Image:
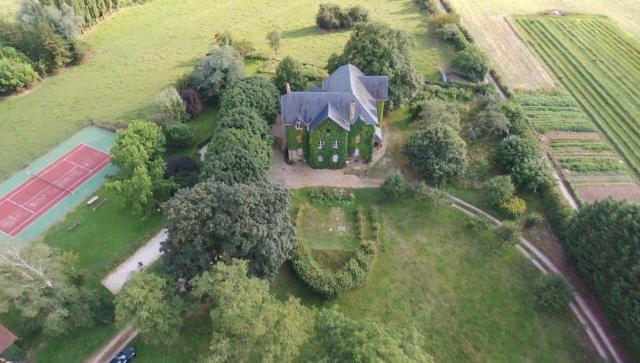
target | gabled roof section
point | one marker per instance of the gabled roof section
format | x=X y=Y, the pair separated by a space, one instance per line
x=6 y=338
x=345 y=86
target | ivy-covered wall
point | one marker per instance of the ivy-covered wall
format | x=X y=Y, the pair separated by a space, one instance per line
x=380 y=107
x=336 y=133
x=365 y=146
x=293 y=136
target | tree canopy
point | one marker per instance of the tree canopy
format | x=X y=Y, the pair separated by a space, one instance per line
x=219 y=68
x=138 y=153
x=43 y=284
x=377 y=49
x=524 y=160
x=237 y=156
x=437 y=153
x=245 y=118
x=255 y=92
x=289 y=71
x=211 y=220
x=603 y=242
x=147 y=303
x=471 y=63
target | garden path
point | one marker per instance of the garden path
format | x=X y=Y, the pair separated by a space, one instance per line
x=147 y=255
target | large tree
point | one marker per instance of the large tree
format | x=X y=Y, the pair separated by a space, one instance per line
x=524 y=160
x=147 y=303
x=212 y=220
x=250 y=324
x=138 y=153
x=237 y=156
x=219 y=68
x=377 y=49
x=337 y=338
x=245 y=118
x=438 y=153
x=603 y=242
x=255 y=92
x=44 y=285
x=289 y=71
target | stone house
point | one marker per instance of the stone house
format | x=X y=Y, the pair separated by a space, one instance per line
x=339 y=121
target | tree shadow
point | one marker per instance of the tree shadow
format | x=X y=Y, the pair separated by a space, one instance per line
x=302 y=32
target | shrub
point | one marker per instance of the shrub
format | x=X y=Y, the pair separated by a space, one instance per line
x=244 y=47
x=15 y=74
x=192 y=102
x=179 y=135
x=245 y=118
x=429 y=6
x=432 y=196
x=170 y=108
x=439 y=20
x=471 y=63
x=508 y=233
x=438 y=153
x=289 y=71
x=532 y=220
x=332 y=16
x=558 y=211
x=184 y=81
x=394 y=185
x=451 y=33
x=478 y=223
x=435 y=112
x=514 y=207
x=490 y=121
x=523 y=159
x=331 y=195
x=499 y=189
x=219 y=68
x=603 y=243
x=553 y=292
x=255 y=92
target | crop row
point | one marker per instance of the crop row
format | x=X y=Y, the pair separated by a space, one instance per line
x=595 y=95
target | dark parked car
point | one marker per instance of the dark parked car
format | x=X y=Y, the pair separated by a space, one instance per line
x=125 y=356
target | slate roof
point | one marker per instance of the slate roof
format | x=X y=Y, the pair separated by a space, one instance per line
x=346 y=85
x=6 y=338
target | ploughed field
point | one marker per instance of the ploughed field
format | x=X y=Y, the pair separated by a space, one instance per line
x=600 y=66
x=586 y=160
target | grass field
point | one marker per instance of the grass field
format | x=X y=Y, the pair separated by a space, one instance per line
x=599 y=66
x=435 y=275
x=144 y=48
x=518 y=67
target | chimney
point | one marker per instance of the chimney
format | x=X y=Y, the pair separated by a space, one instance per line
x=352 y=111
x=288 y=87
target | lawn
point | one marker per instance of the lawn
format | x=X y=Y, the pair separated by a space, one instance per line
x=598 y=64
x=144 y=48
x=488 y=22
x=471 y=304
x=104 y=237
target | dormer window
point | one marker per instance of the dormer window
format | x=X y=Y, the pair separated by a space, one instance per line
x=335 y=144
x=327 y=132
x=321 y=144
x=352 y=111
x=298 y=125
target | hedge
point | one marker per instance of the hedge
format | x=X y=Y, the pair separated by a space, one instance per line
x=353 y=274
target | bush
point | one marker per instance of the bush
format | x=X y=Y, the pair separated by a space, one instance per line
x=532 y=220
x=603 y=243
x=434 y=112
x=478 y=223
x=255 y=92
x=179 y=135
x=219 y=68
x=553 y=292
x=514 y=207
x=558 y=211
x=245 y=118
x=438 y=153
x=508 y=233
x=499 y=189
x=169 y=107
x=332 y=16
x=439 y=20
x=185 y=81
x=331 y=195
x=429 y=6
x=490 y=121
x=289 y=71
x=192 y=102
x=471 y=63
x=394 y=185
x=524 y=160
x=451 y=33
x=15 y=74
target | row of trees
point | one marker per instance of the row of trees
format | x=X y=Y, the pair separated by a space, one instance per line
x=333 y=16
x=250 y=324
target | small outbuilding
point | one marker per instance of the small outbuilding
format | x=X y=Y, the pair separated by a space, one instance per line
x=7 y=338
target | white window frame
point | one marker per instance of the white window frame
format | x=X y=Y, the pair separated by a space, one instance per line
x=321 y=144
x=335 y=158
x=298 y=125
x=336 y=144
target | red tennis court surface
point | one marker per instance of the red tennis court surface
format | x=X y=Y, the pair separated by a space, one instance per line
x=31 y=199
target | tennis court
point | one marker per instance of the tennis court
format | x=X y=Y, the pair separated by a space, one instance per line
x=31 y=199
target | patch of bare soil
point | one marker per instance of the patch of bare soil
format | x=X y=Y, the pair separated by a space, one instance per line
x=563 y=135
x=592 y=193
